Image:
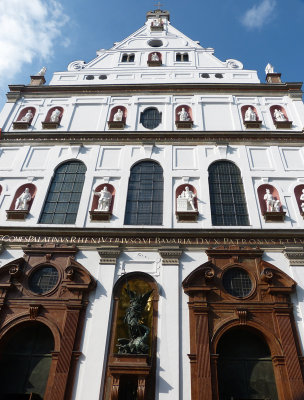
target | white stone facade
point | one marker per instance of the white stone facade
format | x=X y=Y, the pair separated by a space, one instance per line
x=32 y=155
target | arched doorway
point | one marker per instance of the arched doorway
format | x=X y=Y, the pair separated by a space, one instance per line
x=245 y=370
x=25 y=359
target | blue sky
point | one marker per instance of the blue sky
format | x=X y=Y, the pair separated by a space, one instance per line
x=53 y=33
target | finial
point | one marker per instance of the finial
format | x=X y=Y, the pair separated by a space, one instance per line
x=269 y=69
x=42 y=72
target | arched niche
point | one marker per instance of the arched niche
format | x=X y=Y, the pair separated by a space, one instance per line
x=102 y=212
x=186 y=203
x=281 y=122
x=25 y=359
x=25 y=118
x=214 y=310
x=270 y=203
x=130 y=367
x=20 y=209
x=245 y=365
x=298 y=191
x=154 y=59
x=51 y=308
x=48 y=123
x=183 y=117
x=252 y=122
x=117 y=122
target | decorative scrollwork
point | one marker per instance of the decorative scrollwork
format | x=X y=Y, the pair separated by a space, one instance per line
x=209 y=273
x=70 y=273
x=235 y=64
x=14 y=271
x=267 y=275
x=76 y=65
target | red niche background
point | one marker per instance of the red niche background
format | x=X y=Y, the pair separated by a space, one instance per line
x=48 y=115
x=245 y=108
x=181 y=188
x=24 y=111
x=179 y=108
x=261 y=193
x=114 y=111
x=111 y=189
x=32 y=189
x=272 y=108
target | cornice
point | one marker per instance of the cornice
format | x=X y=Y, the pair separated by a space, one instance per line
x=248 y=137
x=17 y=91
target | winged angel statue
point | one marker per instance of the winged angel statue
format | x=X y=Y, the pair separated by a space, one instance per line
x=138 y=332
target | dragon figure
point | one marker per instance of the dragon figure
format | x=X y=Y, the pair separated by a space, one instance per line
x=138 y=332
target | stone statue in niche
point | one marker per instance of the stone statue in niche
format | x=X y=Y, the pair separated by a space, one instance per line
x=183 y=115
x=302 y=199
x=118 y=116
x=250 y=115
x=154 y=57
x=278 y=115
x=55 y=115
x=156 y=22
x=22 y=202
x=104 y=201
x=272 y=205
x=27 y=117
x=137 y=330
x=185 y=201
x=42 y=72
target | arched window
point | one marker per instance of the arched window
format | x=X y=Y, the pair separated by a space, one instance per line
x=245 y=367
x=25 y=359
x=227 y=198
x=145 y=195
x=63 y=198
x=150 y=118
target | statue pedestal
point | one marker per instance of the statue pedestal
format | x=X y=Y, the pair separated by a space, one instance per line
x=37 y=80
x=186 y=216
x=184 y=124
x=21 y=125
x=253 y=124
x=50 y=125
x=283 y=124
x=156 y=28
x=154 y=63
x=273 y=77
x=274 y=216
x=104 y=216
x=19 y=215
x=116 y=124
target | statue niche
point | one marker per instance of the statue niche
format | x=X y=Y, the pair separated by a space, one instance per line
x=186 y=203
x=250 y=117
x=299 y=195
x=132 y=352
x=279 y=117
x=25 y=118
x=183 y=117
x=102 y=204
x=154 y=59
x=53 y=118
x=270 y=204
x=157 y=25
x=22 y=202
x=118 y=117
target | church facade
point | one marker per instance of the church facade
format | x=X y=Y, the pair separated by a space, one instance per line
x=152 y=228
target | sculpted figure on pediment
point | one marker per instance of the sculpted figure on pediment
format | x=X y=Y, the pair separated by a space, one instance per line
x=104 y=201
x=118 y=116
x=42 y=71
x=55 y=115
x=250 y=115
x=22 y=202
x=27 y=117
x=184 y=115
x=272 y=205
x=278 y=115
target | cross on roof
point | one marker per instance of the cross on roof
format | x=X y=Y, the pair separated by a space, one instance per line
x=158 y=5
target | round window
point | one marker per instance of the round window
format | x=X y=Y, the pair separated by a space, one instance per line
x=43 y=279
x=237 y=282
x=89 y=77
x=102 y=77
x=155 y=43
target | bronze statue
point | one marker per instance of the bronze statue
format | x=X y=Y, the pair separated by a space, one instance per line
x=138 y=332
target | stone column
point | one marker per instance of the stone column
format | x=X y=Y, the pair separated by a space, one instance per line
x=96 y=329
x=295 y=256
x=169 y=324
